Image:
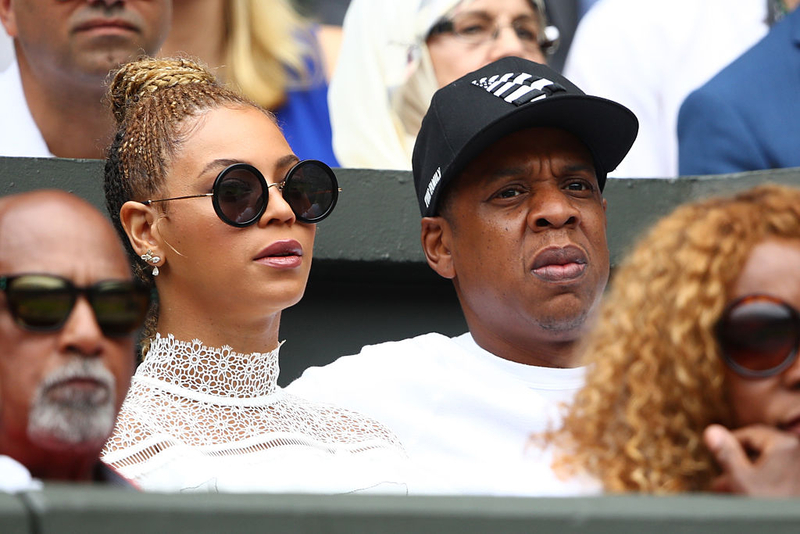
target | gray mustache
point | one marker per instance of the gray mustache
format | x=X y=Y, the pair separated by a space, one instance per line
x=79 y=368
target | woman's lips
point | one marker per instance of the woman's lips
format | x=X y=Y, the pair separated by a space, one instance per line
x=793 y=426
x=285 y=254
x=282 y=262
x=559 y=264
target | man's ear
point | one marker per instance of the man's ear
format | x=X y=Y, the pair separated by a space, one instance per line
x=8 y=19
x=437 y=237
x=605 y=212
x=139 y=222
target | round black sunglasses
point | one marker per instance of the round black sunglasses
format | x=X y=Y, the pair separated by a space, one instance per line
x=240 y=193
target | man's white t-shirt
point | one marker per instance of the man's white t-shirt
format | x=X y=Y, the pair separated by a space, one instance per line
x=465 y=416
x=19 y=135
x=15 y=477
x=6 y=50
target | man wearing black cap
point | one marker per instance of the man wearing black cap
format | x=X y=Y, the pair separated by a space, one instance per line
x=509 y=167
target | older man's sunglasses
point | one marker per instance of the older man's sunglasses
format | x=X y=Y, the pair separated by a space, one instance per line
x=240 y=193
x=758 y=335
x=44 y=302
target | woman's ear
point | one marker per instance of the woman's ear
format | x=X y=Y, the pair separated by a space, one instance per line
x=139 y=221
x=8 y=19
x=436 y=237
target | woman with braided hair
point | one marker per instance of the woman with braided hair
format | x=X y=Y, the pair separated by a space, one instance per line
x=220 y=216
x=699 y=334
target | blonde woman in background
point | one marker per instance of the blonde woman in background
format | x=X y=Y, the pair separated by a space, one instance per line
x=694 y=379
x=395 y=55
x=270 y=53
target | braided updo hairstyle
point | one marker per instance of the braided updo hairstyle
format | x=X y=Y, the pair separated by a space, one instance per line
x=151 y=100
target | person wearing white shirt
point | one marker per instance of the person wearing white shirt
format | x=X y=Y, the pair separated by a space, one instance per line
x=649 y=55
x=513 y=213
x=15 y=477
x=6 y=50
x=67 y=324
x=53 y=89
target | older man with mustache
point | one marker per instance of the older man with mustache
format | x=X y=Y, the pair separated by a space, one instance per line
x=68 y=312
x=52 y=101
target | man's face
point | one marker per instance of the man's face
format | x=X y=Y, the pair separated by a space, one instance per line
x=80 y=38
x=60 y=391
x=526 y=230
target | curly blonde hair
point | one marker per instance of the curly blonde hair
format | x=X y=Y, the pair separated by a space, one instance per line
x=655 y=379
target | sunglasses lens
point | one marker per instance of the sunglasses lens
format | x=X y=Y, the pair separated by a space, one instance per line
x=240 y=195
x=40 y=302
x=311 y=190
x=759 y=335
x=120 y=307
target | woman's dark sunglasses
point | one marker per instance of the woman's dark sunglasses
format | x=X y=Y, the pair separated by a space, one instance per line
x=240 y=193
x=43 y=302
x=758 y=335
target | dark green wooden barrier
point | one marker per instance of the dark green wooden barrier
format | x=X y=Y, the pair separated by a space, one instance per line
x=92 y=509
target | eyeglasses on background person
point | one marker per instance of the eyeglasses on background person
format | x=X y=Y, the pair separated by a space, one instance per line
x=42 y=302
x=759 y=335
x=477 y=29
x=240 y=193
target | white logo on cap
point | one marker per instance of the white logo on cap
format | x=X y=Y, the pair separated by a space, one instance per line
x=432 y=186
x=518 y=88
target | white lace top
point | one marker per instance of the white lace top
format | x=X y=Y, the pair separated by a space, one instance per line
x=198 y=418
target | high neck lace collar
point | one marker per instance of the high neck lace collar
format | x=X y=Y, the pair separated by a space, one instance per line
x=215 y=372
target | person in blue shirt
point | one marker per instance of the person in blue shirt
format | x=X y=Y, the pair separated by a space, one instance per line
x=268 y=52
x=747 y=117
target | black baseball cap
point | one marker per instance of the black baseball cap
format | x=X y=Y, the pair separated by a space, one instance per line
x=468 y=115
